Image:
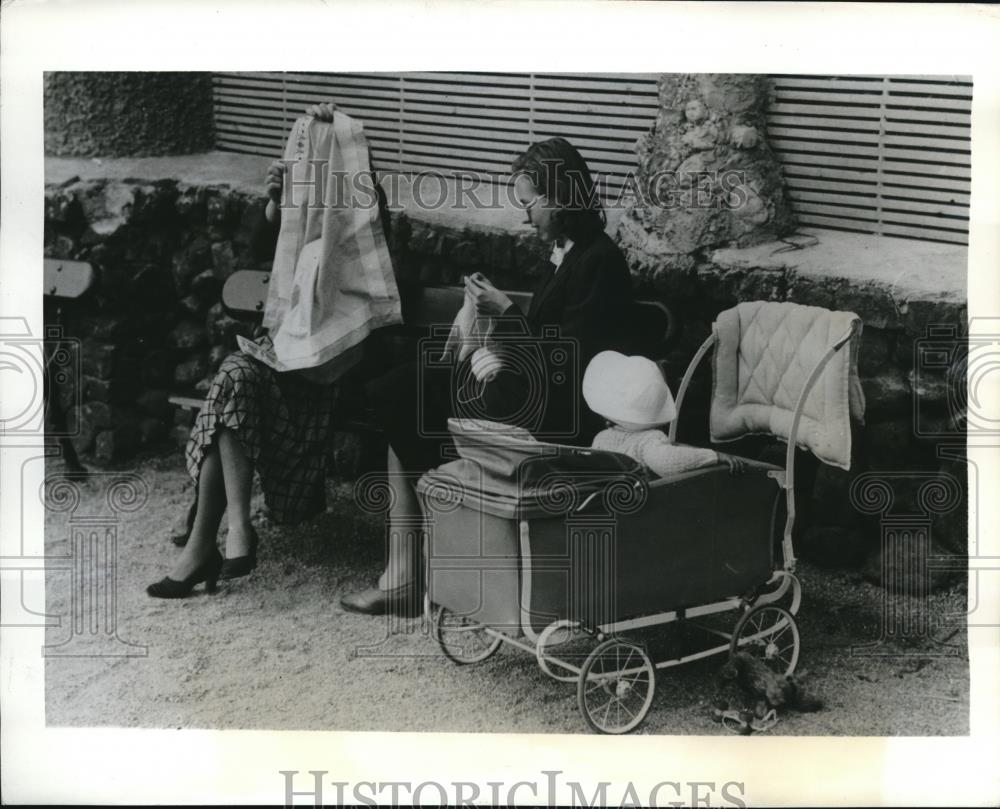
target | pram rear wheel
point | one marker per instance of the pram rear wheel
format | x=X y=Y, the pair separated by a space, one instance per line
x=615 y=687
x=463 y=641
x=770 y=634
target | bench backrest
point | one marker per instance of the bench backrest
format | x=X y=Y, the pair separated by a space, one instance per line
x=245 y=292
x=66 y=279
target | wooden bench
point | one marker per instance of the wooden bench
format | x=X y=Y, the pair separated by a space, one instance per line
x=63 y=280
x=245 y=292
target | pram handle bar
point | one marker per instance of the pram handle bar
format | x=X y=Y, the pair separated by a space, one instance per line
x=788 y=481
x=686 y=381
x=786 y=544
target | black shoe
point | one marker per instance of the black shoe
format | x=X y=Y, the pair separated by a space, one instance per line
x=406 y=601
x=241 y=565
x=207 y=571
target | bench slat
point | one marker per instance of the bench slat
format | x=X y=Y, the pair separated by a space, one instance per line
x=186 y=402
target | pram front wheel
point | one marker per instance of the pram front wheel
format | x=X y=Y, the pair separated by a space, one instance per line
x=615 y=687
x=770 y=634
x=462 y=641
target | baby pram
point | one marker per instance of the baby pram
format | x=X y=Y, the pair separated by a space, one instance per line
x=556 y=543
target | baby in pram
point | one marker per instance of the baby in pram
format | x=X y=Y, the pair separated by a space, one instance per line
x=633 y=395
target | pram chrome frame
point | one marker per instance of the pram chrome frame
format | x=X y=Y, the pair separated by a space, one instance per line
x=787 y=479
x=763 y=600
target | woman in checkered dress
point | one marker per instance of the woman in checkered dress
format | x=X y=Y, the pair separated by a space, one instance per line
x=281 y=421
x=253 y=418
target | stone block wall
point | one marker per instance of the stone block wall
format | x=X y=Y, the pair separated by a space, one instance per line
x=913 y=431
x=154 y=324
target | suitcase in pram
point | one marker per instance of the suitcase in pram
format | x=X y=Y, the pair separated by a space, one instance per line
x=567 y=541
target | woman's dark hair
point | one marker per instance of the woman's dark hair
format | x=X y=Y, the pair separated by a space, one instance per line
x=559 y=172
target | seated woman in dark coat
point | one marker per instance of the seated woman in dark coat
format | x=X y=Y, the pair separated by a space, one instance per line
x=580 y=307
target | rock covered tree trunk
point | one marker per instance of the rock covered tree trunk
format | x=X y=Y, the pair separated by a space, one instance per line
x=706 y=176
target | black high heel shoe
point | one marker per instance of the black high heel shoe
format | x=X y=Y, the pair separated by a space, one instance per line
x=207 y=571
x=241 y=565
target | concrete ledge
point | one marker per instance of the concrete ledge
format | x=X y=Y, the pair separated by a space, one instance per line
x=237 y=171
x=907 y=267
x=434 y=199
x=891 y=283
x=443 y=228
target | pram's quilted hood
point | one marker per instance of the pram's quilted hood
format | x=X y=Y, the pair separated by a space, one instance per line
x=508 y=472
x=764 y=355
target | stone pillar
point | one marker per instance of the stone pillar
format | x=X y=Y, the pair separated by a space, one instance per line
x=706 y=176
x=112 y=114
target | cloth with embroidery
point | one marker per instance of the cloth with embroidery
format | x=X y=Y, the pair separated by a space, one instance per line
x=332 y=280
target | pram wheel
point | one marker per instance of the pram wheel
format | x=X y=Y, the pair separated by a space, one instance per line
x=770 y=634
x=615 y=687
x=462 y=641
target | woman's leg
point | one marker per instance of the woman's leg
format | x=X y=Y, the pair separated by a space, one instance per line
x=237 y=473
x=211 y=505
x=224 y=479
x=392 y=595
x=405 y=525
x=397 y=398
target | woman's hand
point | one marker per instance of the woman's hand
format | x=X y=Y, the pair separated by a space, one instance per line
x=274 y=179
x=488 y=299
x=485 y=364
x=273 y=182
x=737 y=466
x=322 y=112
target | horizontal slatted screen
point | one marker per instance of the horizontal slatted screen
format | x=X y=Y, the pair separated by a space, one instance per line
x=448 y=122
x=887 y=155
x=876 y=154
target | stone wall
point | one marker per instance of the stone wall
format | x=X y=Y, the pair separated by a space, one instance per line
x=706 y=174
x=914 y=422
x=154 y=325
x=115 y=114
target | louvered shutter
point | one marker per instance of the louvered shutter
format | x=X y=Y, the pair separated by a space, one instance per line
x=886 y=155
x=450 y=122
x=876 y=154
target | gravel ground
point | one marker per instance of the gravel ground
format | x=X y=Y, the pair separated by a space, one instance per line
x=276 y=651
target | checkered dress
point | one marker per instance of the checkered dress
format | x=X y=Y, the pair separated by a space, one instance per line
x=283 y=422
